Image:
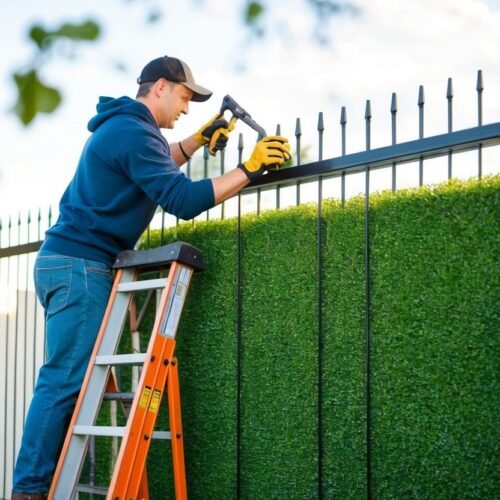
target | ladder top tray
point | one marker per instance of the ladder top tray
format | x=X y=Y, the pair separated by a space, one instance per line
x=161 y=256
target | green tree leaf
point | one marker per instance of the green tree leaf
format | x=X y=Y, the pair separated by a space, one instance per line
x=39 y=35
x=34 y=97
x=88 y=30
x=253 y=12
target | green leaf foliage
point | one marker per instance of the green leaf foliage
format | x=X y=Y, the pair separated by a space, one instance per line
x=38 y=35
x=253 y=12
x=34 y=96
x=254 y=18
x=86 y=31
x=434 y=290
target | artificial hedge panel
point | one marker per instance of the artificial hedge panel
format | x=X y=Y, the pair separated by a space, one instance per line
x=279 y=355
x=434 y=333
x=435 y=298
x=343 y=366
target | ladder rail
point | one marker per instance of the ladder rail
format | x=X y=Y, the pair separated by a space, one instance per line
x=174 y=406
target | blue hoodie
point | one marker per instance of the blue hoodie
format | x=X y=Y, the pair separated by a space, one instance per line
x=125 y=171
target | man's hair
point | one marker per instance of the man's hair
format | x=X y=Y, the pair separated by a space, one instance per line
x=145 y=88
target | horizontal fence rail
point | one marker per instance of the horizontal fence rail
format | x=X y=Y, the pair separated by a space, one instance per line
x=431 y=147
x=20 y=249
x=21 y=318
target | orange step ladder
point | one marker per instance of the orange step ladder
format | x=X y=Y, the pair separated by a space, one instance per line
x=159 y=375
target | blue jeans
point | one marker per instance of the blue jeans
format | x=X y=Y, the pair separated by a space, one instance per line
x=74 y=294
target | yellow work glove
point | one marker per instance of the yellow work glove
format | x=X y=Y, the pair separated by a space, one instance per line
x=215 y=133
x=272 y=151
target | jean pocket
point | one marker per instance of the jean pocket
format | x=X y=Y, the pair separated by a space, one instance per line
x=53 y=286
x=99 y=270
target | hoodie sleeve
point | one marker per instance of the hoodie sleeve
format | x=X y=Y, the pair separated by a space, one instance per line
x=146 y=160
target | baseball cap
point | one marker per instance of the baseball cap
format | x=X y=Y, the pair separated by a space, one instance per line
x=173 y=70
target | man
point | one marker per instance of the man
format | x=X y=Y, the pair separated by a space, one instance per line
x=126 y=169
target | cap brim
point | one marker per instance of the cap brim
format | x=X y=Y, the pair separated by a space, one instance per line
x=200 y=94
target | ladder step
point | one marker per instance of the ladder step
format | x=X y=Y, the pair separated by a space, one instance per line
x=87 y=488
x=98 y=430
x=162 y=435
x=135 y=286
x=107 y=431
x=118 y=396
x=122 y=359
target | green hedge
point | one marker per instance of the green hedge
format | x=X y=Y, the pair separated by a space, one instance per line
x=435 y=385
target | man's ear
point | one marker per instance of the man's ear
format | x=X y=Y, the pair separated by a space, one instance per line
x=160 y=86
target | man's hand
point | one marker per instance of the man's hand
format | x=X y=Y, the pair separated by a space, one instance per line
x=269 y=152
x=215 y=133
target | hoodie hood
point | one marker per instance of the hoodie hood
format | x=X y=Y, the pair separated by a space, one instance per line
x=107 y=107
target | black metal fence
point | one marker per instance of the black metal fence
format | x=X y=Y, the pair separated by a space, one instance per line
x=21 y=318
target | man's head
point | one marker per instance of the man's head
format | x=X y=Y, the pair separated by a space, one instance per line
x=166 y=85
x=173 y=70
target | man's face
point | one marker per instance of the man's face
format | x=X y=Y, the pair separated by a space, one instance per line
x=174 y=101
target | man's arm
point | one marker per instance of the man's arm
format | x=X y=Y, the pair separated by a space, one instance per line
x=189 y=146
x=272 y=150
x=225 y=186
x=229 y=184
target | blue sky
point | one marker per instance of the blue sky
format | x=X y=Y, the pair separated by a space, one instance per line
x=393 y=46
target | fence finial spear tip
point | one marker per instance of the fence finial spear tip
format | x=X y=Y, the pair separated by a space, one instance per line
x=298 y=128
x=421 y=98
x=343 y=116
x=368 y=110
x=321 y=125
x=479 y=84
x=449 y=89
x=394 y=103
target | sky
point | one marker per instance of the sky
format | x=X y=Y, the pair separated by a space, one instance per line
x=390 y=46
